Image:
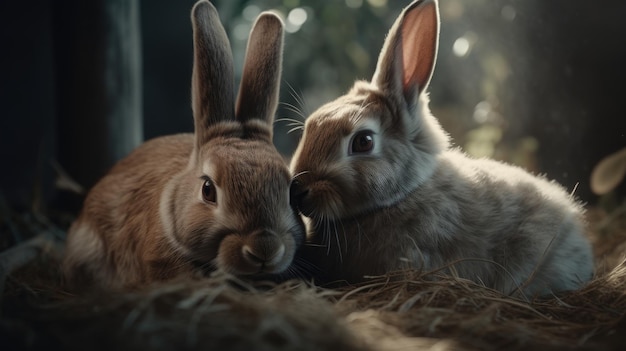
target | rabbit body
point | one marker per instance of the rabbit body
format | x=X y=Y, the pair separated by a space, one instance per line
x=384 y=190
x=113 y=239
x=215 y=199
x=493 y=223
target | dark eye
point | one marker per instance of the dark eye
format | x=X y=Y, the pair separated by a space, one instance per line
x=208 y=191
x=362 y=142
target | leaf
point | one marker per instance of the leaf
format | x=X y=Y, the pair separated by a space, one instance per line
x=609 y=172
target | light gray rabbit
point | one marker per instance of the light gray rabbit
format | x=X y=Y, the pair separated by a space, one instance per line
x=384 y=190
x=215 y=199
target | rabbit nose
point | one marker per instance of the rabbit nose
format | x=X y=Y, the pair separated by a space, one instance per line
x=297 y=192
x=264 y=250
x=263 y=257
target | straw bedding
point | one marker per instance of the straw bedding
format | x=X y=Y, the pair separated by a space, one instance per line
x=399 y=311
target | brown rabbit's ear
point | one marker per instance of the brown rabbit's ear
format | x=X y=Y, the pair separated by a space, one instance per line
x=407 y=60
x=259 y=89
x=212 y=78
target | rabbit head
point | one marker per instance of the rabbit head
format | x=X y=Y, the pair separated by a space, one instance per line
x=232 y=202
x=215 y=199
x=370 y=147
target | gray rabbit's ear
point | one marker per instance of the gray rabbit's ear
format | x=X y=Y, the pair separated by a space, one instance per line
x=407 y=60
x=212 y=79
x=260 y=81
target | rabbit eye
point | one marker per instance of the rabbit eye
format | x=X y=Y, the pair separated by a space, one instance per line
x=208 y=191
x=362 y=142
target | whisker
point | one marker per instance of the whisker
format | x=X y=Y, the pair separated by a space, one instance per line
x=295 y=129
x=292 y=120
x=295 y=176
x=361 y=233
x=304 y=269
x=345 y=237
x=294 y=94
x=327 y=234
x=358 y=229
x=338 y=242
x=358 y=114
x=295 y=124
x=291 y=272
x=298 y=113
x=294 y=109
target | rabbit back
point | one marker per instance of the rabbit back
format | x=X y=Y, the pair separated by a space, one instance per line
x=118 y=237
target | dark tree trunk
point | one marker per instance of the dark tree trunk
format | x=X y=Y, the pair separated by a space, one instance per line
x=98 y=65
x=578 y=59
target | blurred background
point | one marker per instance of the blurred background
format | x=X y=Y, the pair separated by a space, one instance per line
x=532 y=82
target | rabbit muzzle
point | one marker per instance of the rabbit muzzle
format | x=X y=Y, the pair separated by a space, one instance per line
x=259 y=252
x=316 y=198
x=263 y=250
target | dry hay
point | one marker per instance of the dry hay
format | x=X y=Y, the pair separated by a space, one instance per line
x=404 y=310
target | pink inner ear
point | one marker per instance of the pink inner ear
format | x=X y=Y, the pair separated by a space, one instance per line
x=419 y=45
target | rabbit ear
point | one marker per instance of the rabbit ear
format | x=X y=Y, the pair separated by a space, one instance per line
x=407 y=59
x=258 y=92
x=212 y=78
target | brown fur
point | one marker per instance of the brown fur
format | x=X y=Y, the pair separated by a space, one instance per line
x=114 y=205
x=148 y=219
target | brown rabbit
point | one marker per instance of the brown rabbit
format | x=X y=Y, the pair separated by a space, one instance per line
x=216 y=199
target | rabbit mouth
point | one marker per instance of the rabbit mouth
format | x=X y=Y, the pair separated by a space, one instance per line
x=264 y=261
x=247 y=257
x=260 y=252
